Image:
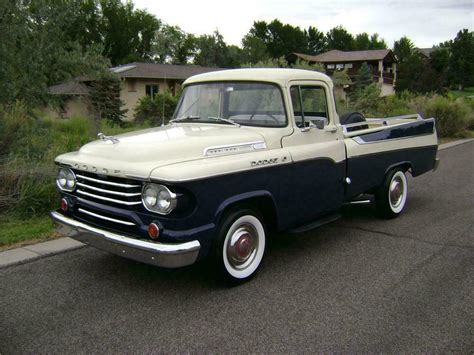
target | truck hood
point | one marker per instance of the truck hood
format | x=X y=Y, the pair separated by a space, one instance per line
x=137 y=153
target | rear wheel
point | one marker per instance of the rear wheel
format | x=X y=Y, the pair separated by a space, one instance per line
x=240 y=245
x=391 y=197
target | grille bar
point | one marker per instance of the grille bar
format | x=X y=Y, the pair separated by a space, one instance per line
x=105 y=218
x=106 y=182
x=128 y=203
x=125 y=194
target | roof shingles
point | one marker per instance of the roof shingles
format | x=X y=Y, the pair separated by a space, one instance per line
x=154 y=71
x=349 y=56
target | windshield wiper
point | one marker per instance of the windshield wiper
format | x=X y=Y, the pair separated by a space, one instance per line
x=228 y=120
x=184 y=118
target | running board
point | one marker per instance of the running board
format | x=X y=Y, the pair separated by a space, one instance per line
x=315 y=224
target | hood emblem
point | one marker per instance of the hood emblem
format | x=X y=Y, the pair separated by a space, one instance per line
x=107 y=138
x=234 y=148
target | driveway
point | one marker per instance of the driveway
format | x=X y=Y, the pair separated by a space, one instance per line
x=358 y=284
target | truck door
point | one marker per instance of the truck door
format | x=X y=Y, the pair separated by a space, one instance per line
x=316 y=185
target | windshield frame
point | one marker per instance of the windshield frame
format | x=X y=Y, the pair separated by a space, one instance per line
x=277 y=86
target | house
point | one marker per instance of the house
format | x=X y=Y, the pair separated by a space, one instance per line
x=382 y=62
x=425 y=53
x=137 y=81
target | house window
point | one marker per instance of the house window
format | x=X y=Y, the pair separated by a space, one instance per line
x=339 y=66
x=151 y=90
x=330 y=66
x=348 y=66
x=131 y=85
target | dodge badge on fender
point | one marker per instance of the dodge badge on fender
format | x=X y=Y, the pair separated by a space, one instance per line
x=248 y=152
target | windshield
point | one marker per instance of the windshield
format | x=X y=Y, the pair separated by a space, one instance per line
x=243 y=103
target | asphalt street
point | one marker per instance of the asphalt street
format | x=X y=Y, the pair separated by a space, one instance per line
x=358 y=284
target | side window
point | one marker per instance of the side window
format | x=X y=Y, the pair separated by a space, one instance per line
x=313 y=99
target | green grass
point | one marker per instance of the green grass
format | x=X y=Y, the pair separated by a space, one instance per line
x=466 y=92
x=20 y=231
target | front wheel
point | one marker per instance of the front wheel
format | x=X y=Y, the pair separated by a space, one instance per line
x=391 y=197
x=240 y=245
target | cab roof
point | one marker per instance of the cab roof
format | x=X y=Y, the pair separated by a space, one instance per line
x=279 y=76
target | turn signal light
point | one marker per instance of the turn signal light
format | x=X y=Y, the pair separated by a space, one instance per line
x=64 y=204
x=153 y=231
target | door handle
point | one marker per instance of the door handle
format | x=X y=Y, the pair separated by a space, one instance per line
x=331 y=129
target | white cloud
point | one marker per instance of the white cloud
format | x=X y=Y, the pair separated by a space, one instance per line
x=425 y=22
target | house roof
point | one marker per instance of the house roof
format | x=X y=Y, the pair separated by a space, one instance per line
x=69 y=88
x=155 y=71
x=347 y=56
x=426 y=51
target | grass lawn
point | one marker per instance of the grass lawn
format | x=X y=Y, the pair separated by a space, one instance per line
x=466 y=92
x=15 y=232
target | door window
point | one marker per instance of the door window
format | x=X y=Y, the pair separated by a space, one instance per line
x=309 y=105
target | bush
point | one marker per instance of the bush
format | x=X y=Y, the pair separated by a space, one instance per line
x=452 y=116
x=28 y=146
x=156 y=111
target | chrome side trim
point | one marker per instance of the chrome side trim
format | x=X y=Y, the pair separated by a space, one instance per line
x=126 y=194
x=159 y=254
x=128 y=203
x=384 y=121
x=106 y=182
x=234 y=148
x=105 y=218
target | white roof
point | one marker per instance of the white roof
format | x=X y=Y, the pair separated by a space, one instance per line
x=279 y=76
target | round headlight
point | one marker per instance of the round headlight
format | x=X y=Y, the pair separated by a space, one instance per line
x=158 y=198
x=66 y=180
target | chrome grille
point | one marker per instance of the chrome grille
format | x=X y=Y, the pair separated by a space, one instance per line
x=100 y=216
x=109 y=190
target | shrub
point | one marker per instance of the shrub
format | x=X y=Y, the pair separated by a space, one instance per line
x=156 y=111
x=452 y=116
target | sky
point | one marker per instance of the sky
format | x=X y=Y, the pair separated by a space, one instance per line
x=425 y=22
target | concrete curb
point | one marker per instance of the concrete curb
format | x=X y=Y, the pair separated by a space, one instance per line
x=53 y=247
x=36 y=251
x=454 y=143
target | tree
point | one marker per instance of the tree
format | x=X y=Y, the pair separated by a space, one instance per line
x=269 y=63
x=461 y=64
x=339 y=38
x=254 y=49
x=127 y=33
x=417 y=75
x=376 y=42
x=172 y=45
x=105 y=98
x=274 y=40
x=362 y=41
x=212 y=51
x=403 y=49
x=362 y=81
x=316 y=40
x=37 y=51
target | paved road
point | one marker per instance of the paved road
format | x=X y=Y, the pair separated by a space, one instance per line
x=359 y=284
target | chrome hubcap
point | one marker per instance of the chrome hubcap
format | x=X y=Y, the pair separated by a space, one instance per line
x=396 y=192
x=242 y=246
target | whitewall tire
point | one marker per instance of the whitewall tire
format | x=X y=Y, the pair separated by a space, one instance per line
x=241 y=245
x=391 y=197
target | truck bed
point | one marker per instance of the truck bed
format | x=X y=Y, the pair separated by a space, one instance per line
x=379 y=144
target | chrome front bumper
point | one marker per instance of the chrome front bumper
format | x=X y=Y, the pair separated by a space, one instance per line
x=164 y=255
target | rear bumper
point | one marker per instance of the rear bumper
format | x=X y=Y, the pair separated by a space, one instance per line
x=164 y=255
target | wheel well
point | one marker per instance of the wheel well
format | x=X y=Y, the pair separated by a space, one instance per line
x=406 y=166
x=261 y=204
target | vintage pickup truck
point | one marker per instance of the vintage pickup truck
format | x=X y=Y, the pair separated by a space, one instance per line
x=249 y=151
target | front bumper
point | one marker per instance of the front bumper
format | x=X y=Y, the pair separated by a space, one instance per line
x=164 y=255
